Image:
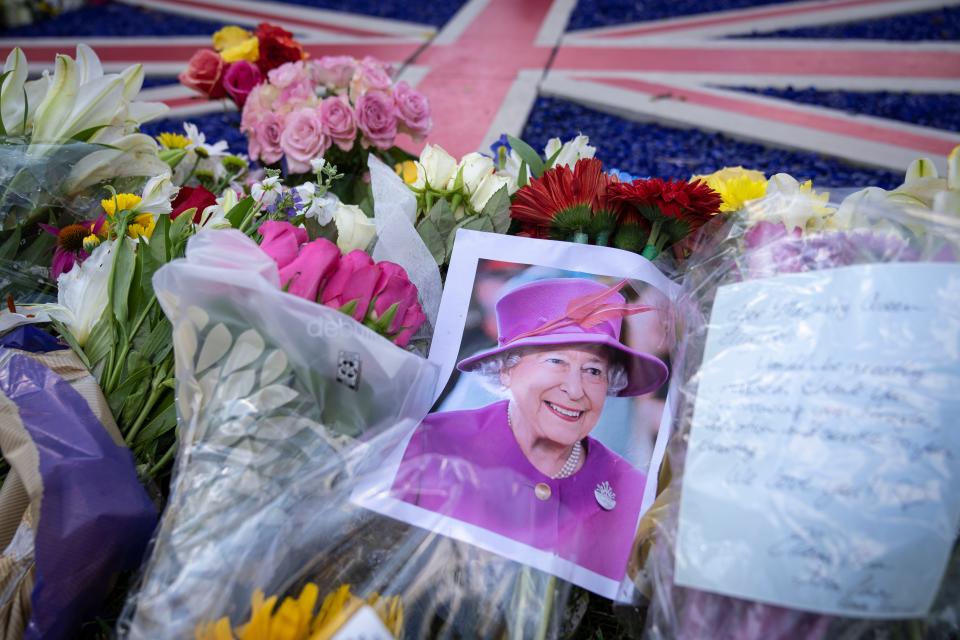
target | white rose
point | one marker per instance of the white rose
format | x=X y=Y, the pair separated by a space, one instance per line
x=572 y=151
x=488 y=186
x=475 y=167
x=438 y=166
x=354 y=229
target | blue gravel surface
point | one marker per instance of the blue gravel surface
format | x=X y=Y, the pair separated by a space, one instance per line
x=940 y=111
x=647 y=149
x=114 y=19
x=435 y=13
x=605 y=13
x=940 y=24
x=216 y=126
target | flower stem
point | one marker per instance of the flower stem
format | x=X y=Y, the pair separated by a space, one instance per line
x=164 y=460
x=158 y=390
x=580 y=237
x=652 y=249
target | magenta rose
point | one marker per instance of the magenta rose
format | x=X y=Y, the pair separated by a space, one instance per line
x=377 y=118
x=413 y=109
x=334 y=72
x=239 y=80
x=204 y=73
x=304 y=275
x=394 y=296
x=265 y=143
x=303 y=139
x=281 y=241
x=353 y=283
x=338 y=121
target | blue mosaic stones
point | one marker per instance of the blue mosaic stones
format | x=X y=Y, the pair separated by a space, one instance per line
x=114 y=19
x=940 y=24
x=606 y=13
x=648 y=149
x=940 y=111
x=433 y=13
x=215 y=126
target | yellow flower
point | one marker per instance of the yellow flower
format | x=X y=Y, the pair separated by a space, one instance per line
x=142 y=225
x=91 y=242
x=219 y=630
x=121 y=202
x=249 y=49
x=407 y=170
x=736 y=186
x=173 y=140
x=230 y=36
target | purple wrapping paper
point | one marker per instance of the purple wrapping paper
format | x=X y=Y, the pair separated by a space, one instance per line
x=95 y=517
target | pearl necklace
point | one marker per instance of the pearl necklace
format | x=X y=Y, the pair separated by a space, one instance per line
x=572 y=460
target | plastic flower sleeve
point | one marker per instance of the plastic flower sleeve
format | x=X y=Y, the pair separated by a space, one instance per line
x=811 y=413
x=273 y=391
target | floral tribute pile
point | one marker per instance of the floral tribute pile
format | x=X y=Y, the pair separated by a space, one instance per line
x=92 y=212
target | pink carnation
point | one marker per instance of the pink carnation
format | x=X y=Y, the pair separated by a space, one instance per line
x=303 y=139
x=334 y=72
x=265 y=141
x=339 y=122
x=413 y=109
x=377 y=119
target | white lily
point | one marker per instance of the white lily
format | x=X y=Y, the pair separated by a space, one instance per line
x=157 y=194
x=215 y=216
x=795 y=204
x=570 y=151
x=948 y=200
x=82 y=293
x=920 y=185
x=12 y=105
x=130 y=155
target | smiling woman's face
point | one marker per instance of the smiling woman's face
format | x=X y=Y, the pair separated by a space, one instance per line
x=559 y=391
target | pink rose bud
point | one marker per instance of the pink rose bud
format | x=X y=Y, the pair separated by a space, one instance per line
x=304 y=276
x=240 y=79
x=414 y=110
x=334 y=72
x=393 y=289
x=303 y=139
x=265 y=143
x=338 y=122
x=204 y=73
x=281 y=241
x=412 y=320
x=353 y=282
x=377 y=118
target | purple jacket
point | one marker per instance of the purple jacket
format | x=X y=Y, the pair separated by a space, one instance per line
x=467 y=465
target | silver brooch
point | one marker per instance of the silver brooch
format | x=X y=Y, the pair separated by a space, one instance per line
x=605 y=496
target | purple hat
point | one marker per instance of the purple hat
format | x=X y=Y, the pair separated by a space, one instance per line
x=567 y=311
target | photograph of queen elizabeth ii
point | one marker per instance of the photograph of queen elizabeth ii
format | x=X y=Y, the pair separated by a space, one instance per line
x=540 y=446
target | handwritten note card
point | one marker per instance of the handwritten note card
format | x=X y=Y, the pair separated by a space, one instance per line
x=823 y=469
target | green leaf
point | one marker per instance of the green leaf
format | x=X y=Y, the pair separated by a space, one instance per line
x=478 y=223
x=122 y=277
x=159 y=240
x=164 y=420
x=40 y=250
x=180 y=230
x=157 y=342
x=137 y=294
x=239 y=212
x=436 y=242
x=549 y=163
x=101 y=339
x=8 y=250
x=522 y=178
x=173 y=156
x=497 y=210
x=528 y=155
x=86 y=134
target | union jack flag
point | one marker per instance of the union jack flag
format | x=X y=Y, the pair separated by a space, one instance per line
x=484 y=68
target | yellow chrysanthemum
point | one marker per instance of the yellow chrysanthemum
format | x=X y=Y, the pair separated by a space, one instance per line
x=230 y=36
x=294 y=618
x=91 y=242
x=249 y=50
x=173 y=140
x=406 y=170
x=142 y=226
x=121 y=202
x=736 y=186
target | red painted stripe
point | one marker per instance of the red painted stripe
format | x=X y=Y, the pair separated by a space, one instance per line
x=746 y=18
x=918 y=64
x=789 y=116
x=268 y=17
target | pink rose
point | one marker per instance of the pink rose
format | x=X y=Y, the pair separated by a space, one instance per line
x=204 y=73
x=287 y=74
x=259 y=103
x=370 y=75
x=338 y=121
x=296 y=96
x=306 y=273
x=265 y=143
x=394 y=289
x=240 y=79
x=353 y=282
x=334 y=72
x=414 y=110
x=281 y=241
x=412 y=320
x=377 y=118
x=303 y=139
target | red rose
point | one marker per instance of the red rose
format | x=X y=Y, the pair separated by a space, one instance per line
x=277 y=47
x=190 y=197
x=204 y=73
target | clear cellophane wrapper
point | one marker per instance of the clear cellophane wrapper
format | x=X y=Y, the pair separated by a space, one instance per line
x=747 y=248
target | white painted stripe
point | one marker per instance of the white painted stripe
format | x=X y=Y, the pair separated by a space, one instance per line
x=167 y=92
x=515 y=108
x=822 y=12
x=555 y=23
x=459 y=23
x=200 y=108
x=413 y=74
x=901 y=84
x=638 y=105
x=280 y=10
x=760 y=45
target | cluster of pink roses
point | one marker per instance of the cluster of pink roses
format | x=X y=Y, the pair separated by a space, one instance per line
x=307 y=106
x=380 y=295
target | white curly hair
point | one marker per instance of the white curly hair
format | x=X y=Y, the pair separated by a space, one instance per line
x=491 y=368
